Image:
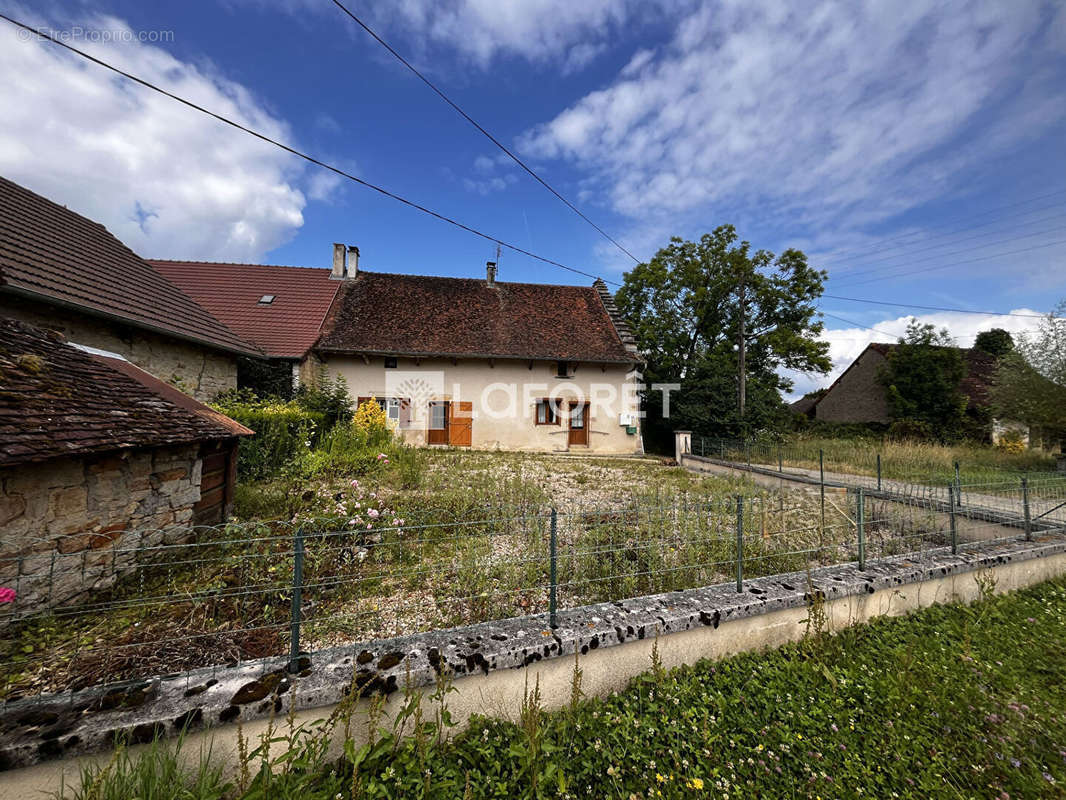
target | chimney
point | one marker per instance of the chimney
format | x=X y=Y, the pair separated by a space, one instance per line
x=339 y=262
x=353 y=262
x=490 y=272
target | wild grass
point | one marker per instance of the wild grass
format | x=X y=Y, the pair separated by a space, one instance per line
x=914 y=462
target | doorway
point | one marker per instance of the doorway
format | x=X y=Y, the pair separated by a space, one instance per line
x=579 y=424
x=438 y=422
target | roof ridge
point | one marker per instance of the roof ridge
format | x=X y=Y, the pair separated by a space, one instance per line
x=629 y=341
x=472 y=279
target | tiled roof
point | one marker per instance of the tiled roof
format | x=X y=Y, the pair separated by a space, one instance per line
x=284 y=328
x=52 y=253
x=430 y=316
x=57 y=400
x=980 y=371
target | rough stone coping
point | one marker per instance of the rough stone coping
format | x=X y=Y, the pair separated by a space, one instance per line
x=86 y=721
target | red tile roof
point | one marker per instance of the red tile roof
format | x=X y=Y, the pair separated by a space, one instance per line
x=52 y=253
x=285 y=328
x=58 y=400
x=430 y=316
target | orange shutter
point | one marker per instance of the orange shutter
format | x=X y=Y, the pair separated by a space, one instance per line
x=461 y=425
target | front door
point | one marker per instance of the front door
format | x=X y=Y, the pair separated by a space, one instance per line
x=438 y=423
x=579 y=424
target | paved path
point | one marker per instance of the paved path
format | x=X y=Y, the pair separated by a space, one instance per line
x=1047 y=492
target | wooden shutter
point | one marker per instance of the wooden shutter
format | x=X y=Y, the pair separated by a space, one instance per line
x=461 y=424
x=405 y=413
x=362 y=400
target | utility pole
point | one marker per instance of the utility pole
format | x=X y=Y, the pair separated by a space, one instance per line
x=742 y=352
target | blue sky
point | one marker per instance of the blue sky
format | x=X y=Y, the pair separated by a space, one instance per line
x=917 y=151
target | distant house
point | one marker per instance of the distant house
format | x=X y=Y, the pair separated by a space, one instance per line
x=857 y=396
x=485 y=363
x=278 y=309
x=63 y=272
x=97 y=458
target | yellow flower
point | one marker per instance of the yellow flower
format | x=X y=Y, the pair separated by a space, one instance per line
x=695 y=783
x=660 y=778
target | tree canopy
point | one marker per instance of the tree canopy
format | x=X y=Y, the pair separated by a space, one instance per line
x=922 y=378
x=996 y=342
x=684 y=307
x=1030 y=384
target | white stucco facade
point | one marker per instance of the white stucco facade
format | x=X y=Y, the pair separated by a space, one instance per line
x=503 y=396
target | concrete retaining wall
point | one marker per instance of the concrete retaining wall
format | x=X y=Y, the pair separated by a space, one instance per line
x=495 y=662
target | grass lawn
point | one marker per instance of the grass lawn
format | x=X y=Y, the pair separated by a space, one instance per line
x=952 y=701
x=906 y=461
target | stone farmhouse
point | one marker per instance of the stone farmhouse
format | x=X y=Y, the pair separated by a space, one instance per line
x=858 y=396
x=63 y=272
x=97 y=459
x=457 y=362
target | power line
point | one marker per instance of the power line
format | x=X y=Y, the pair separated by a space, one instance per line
x=858 y=325
x=293 y=151
x=482 y=130
x=963 y=251
x=934 y=308
x=955 y=264
x=920 y=235
x=922 y=246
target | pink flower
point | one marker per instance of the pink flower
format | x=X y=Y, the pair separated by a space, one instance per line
x=395 y=521
x=373 y=513
x=355 y=484
x=381 y=456
x=7 y=595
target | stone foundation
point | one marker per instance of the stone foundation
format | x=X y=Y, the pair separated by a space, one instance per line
x=73 y=525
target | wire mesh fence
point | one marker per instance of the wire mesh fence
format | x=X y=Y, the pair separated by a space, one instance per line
x=159 y=602
x=860 y=464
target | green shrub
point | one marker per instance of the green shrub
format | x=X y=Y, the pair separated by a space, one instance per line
x=282 y=431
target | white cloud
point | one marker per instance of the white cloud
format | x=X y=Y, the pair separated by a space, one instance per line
x=821 y=112
x=165 y=179
x=846 y=343
x=540 y=31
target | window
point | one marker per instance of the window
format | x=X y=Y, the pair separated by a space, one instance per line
x=390 y=362
x=266 y=299
x=392 y=409
x=562 y=369
x=547 y=412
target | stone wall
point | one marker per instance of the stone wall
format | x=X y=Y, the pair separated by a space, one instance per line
x=73 y=525
x=199 y=371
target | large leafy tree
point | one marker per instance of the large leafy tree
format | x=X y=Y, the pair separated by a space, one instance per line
x=687 y=307
x=1030 y=383
x=922 y=377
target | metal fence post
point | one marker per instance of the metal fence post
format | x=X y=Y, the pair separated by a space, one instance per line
x=780 y=462
x=860 y=523
x=297 y=599
x=747 y=453
x=1025 y=507
x=954 y=525
x=740 y=543
x=958 y=486
x=553 y=546
x=878 y=472
x=821 y=483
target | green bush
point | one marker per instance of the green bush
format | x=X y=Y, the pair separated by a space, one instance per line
x=283 y=430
